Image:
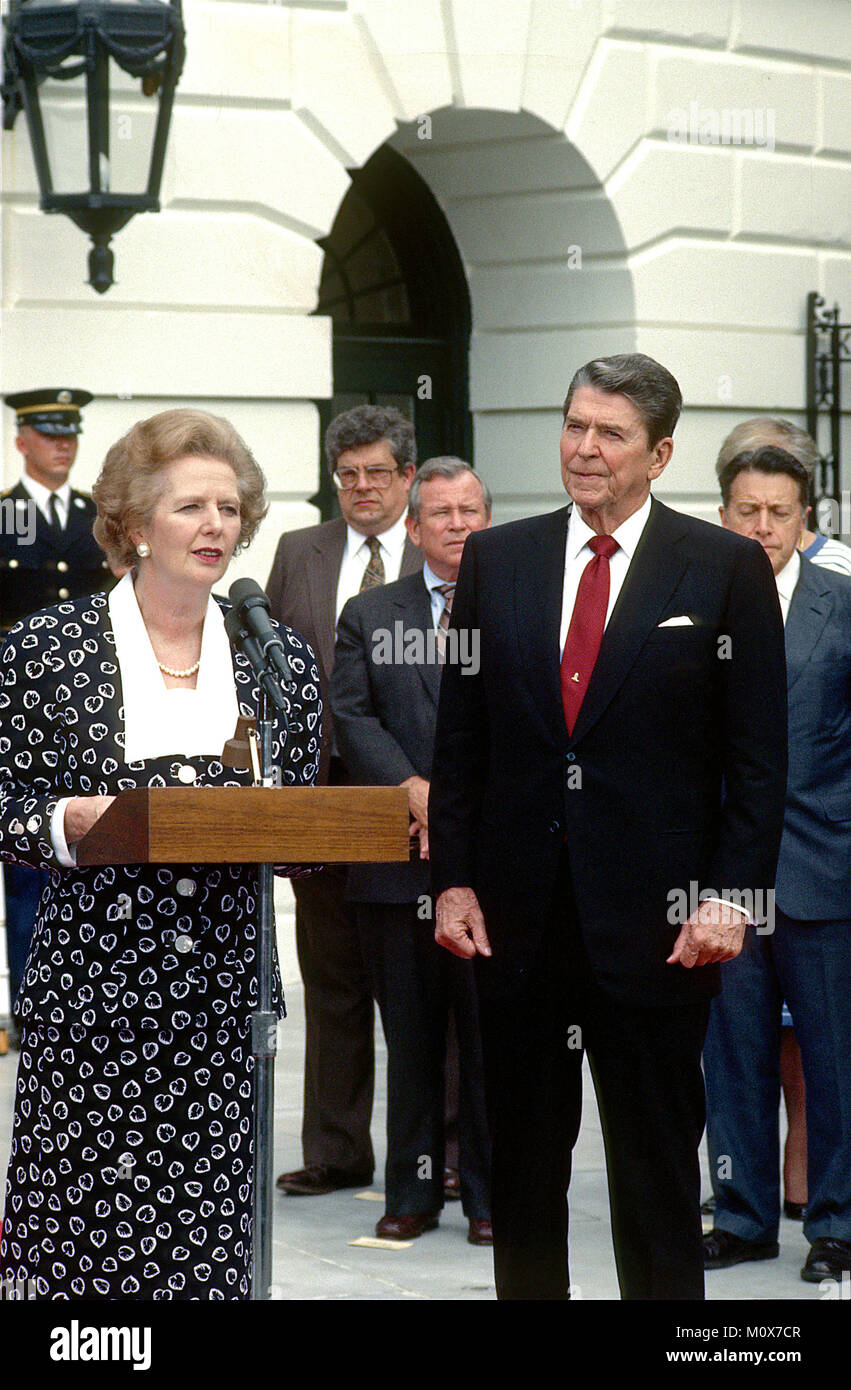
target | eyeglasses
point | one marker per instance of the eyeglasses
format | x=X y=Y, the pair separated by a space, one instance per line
x=347 y=478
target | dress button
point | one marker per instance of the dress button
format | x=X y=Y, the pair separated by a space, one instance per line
x=13 y=564
x=63 y=593
x=184 y=944
x=571 y=757
x=33 y=823
x=186 y=774
x=62 y=566
x=186 y=887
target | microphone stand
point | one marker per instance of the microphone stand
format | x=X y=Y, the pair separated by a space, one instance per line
x=264 y=1028
x=270 y=669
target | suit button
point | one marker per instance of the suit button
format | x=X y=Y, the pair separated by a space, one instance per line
x=571 y=757
x=555 y=827
x=184 y=944
x=186 y=887
x=62 y=566
x=63 y=593
x=13 y=564
x=186 y=774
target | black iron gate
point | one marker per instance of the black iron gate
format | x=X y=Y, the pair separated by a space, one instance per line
x=828 y=351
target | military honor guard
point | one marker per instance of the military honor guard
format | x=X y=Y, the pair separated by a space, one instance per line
x=47 y=554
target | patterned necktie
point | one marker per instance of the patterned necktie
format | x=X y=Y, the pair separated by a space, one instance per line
x=448 y=591
x=55 y=514
x=373 y=575
x=585 y=633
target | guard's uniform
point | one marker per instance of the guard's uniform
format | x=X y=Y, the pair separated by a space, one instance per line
x=42 y=564
x=55 y=566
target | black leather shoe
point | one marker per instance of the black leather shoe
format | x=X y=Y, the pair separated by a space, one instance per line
x=828 y=1259
x=316 y=1181
x=722 y=1249
x=796 y=1211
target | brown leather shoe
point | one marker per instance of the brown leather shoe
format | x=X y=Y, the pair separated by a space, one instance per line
x=316 y=1181
x=451 y=1185
x=481 y=1231
x=406 y=1227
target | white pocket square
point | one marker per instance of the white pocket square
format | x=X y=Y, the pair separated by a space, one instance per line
x=683 y=621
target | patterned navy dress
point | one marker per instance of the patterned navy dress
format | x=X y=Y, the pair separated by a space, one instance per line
x=131 y=1154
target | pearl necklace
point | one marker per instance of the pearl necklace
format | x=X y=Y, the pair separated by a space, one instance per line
x=181 y=675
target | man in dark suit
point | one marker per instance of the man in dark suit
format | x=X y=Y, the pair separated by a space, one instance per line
x=47 y=554
x=391 y=645
x=371 y=452
x=805 y=957
x=631 y=663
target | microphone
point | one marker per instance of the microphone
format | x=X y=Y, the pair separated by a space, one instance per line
x=249 y=627
x=252 y=605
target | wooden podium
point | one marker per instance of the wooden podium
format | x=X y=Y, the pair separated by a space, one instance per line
x=251 y=825
x=261 y=826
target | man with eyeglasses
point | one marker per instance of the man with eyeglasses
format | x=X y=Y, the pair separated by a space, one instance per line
x=371 y=452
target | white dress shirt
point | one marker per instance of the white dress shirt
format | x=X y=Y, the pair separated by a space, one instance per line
x=41 y=495
x=159 y=721
x=578 y=553
x=356 y=558
x=786 y=581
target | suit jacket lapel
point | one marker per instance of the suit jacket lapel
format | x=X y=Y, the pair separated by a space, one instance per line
x=809 y=611
x=653 y=574
x=414 y=611
x=538 y=588
x=76 y=525
x=323 y=572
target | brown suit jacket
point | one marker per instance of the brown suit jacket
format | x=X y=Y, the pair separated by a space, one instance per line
x=302 y=591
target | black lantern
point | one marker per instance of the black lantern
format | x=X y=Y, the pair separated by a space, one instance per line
x=57 y=60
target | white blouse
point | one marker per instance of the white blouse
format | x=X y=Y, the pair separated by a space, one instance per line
x=159 y=721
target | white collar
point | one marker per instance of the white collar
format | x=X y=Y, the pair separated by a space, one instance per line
x=392 y=540
x=41 y=495
x=627 y=535
x=789 y=576
x=431 y=579
x=158 y=721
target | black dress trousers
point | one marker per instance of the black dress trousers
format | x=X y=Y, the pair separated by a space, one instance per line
x=645 y=1064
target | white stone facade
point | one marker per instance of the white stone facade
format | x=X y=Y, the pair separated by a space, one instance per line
x=670 y=176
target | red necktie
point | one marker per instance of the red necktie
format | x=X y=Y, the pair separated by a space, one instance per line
x=586 y=628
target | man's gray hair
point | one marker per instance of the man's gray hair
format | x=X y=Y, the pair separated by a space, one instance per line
x=651 y=388
x=444 y=466
x=367 y=424
x=765 y=430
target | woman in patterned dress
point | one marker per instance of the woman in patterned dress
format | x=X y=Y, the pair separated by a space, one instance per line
x=131 y=1154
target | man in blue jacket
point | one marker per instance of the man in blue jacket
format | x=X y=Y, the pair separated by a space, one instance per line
x=803 y=953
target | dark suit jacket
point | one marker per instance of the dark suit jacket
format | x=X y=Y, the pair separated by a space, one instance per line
x=670 y=714
x=384 y=714
x=302 y=591
x=814 y=872
x=54 y=567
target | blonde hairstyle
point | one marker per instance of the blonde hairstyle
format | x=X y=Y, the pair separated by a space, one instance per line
x=130 y=482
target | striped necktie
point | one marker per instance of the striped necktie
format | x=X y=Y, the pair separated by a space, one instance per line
x=448 y=591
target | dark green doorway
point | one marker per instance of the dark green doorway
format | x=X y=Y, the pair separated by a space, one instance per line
x=395 y=288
